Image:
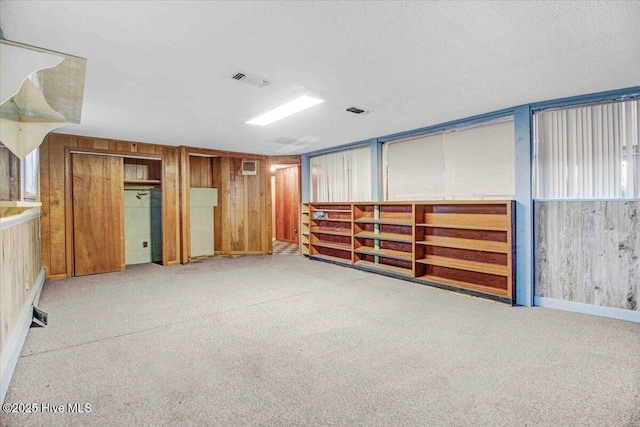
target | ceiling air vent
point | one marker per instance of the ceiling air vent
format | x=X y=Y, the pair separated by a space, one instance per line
x=251 y=80
x=356 y=110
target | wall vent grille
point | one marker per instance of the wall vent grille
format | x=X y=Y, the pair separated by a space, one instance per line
x=249 y=167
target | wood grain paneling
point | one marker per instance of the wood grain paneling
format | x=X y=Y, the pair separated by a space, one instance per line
x=98 y=214
x=287 y=202
x=9 y=175
x=19 y=268
x=241 y=217
x=254 y=212
x=170 y=206
x=587 y=252
x=57 y=165
x=45 y=209
x=217 y=212
x=201 y=172
x=285 y=160
x=237 y=201
x=55 y=153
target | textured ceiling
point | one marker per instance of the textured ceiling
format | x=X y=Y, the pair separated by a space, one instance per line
x=160 y=71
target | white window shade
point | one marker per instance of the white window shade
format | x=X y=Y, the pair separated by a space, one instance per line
x=480 y=162
x=415 y=169
x=475 y=163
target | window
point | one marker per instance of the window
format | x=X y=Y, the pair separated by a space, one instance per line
x=30 y=175
x=342 y=176
x=18 y=179
x=470 y=163
x=587 y=152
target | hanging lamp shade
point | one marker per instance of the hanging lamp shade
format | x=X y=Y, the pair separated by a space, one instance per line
x=40 y=91
x=26 y=118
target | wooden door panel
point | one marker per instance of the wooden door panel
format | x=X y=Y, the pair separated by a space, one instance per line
x=287 y=204
x=98 y=214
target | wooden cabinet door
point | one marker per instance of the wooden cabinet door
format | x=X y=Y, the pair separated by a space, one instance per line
x=98 y=213
x=287 y=204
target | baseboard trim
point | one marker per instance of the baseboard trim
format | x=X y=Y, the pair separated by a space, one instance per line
x=596 y=310
x=17 y=335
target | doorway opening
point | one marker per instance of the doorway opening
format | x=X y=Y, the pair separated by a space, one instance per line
x=285 y=206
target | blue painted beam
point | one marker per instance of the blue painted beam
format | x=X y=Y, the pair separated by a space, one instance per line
x=453 y=124
x=338 y=148
x=591 y=98
x=377 y=193
x=305 y=181
x=524 y=205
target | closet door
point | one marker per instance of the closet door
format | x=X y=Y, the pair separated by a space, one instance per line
x=98 y=214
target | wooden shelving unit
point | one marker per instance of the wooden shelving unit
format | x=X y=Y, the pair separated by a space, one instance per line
x=467 y=245
x=304 y=229
x=456 y=244
x=383 y=237
x=331 y=232
x=142 y=173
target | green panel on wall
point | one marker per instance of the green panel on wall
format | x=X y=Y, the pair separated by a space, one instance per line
x=143 y=226
x=202 y=204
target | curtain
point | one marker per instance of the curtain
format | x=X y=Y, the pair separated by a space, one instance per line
x=588 y=152
x=342 y=176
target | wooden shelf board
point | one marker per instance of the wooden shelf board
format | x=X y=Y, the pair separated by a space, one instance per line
x=305 y=233
x=142 y=181
x=475 y=245
x=387 y=253
x=407 y=238
x=383 y=221
x=19 y=204
x=333 y=246
x=332 y=219
x=465 y=285
x=332 y=232
x=463 y=227
x=384 y=267
x=332 y=258
x=458 y=264
x=333 y=210
x=15 y=207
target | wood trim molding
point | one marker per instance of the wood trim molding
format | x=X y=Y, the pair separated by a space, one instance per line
x=221 y=153
x=185 y=211
x=68 y=211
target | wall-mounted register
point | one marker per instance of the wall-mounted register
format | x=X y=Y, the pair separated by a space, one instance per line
x=249 y=167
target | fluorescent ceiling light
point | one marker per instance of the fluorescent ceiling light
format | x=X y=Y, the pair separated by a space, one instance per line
x=292 y=107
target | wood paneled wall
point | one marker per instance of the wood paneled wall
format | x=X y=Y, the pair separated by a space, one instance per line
x=201 y=172
x=242 y=201
x=55 y=195
x=9 y=175
x=587 y=252
x=243 y=215
x=19 y=269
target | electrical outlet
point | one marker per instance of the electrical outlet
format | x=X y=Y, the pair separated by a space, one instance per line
x=144 y=244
